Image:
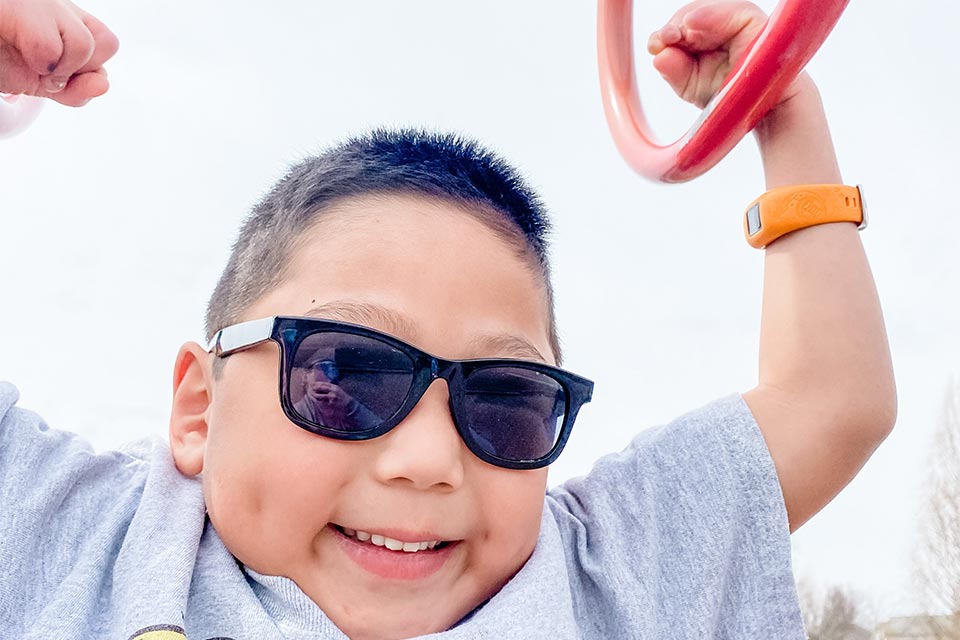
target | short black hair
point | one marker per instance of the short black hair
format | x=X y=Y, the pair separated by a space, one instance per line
x=438 y=165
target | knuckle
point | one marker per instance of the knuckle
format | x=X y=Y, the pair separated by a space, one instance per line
x=44 y=53
x=108 y=43
x=83 y=45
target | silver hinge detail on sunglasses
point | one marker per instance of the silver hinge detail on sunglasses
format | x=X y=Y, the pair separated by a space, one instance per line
x=239 y=336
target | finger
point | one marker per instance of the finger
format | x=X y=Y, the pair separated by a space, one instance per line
x=15 y=76
x=668 y=36
x=714 y=26
x=671 y=33
x=40 y=45
x=106 y=42
x=676 y=20
x=731 y=16
x=82 y=88
x=78 y=47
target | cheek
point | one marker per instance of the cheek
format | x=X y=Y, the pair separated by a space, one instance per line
x=512 y=504
x=270 y=487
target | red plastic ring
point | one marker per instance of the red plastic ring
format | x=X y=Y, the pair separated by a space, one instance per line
x=791 y=36
x=16 y=113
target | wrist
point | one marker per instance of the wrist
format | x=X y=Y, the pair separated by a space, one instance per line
x=794 y=139
x=800 y=103
x=787 y=209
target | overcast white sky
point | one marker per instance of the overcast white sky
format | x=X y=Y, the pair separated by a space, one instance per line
x=117 y=218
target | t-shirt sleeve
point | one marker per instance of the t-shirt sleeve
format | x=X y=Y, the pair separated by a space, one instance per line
x=684 y=534
x=62 y=507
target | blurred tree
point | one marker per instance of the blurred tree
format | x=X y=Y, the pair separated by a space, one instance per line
x=809 y=606
x=938 y=554
x=831 y=617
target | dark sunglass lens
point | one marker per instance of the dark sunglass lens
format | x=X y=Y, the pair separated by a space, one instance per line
x=513 y=412
x=348 y=382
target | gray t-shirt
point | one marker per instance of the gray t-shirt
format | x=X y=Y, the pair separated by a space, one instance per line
x=682 y=535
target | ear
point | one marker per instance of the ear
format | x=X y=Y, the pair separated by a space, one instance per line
x=192 y=395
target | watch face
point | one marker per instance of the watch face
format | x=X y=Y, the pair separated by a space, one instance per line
x=753 y=220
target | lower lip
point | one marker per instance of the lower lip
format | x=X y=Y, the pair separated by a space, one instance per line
x=394 y=565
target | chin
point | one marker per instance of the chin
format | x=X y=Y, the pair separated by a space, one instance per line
x=373 y=627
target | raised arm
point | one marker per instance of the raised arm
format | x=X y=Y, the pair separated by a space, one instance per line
x=826 y=396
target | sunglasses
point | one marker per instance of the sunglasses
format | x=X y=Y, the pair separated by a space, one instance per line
x=350 y=382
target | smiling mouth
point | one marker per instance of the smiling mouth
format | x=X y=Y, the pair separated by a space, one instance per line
x=378 y=540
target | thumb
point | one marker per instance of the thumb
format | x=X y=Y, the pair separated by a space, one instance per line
x=676 y=67
x=82 y=88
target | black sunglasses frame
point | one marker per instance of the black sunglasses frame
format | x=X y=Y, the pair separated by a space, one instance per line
x=288 y=332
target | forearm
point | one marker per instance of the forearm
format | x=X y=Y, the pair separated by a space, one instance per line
x=822 y=334
x=822 y=330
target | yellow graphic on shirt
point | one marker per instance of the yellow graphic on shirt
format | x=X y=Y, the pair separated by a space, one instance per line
x=164 y=632
x=160 y=632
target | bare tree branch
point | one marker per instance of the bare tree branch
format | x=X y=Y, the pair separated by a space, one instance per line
x=831 y=617
x=938 y=553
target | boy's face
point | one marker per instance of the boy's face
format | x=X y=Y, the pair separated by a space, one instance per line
x=281 y=497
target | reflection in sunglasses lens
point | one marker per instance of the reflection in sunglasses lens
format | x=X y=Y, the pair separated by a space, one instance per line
x=348 y=382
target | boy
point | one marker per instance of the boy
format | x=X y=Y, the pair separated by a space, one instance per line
x=322 y=482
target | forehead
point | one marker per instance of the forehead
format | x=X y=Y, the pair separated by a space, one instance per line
x=429 y=271
x=415 y=211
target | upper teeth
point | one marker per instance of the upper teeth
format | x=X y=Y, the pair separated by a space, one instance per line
x=390 y=543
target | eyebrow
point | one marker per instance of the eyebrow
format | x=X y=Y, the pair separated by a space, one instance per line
x=371 y=315
x=507 y=346
x=503 y=345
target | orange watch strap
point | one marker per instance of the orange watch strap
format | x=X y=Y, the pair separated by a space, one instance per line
x=780 y=211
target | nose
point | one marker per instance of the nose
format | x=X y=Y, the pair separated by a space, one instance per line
x=424 y=451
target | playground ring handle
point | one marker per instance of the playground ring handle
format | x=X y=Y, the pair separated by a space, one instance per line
x=792 y=35
x=17 y=112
